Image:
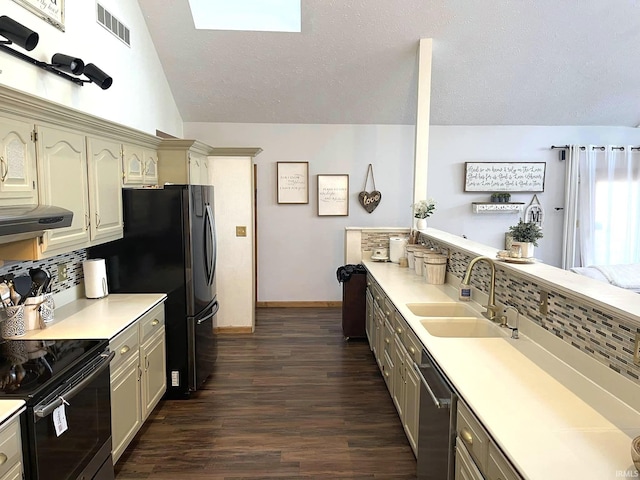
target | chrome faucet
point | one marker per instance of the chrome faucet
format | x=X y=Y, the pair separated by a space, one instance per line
x=492 y=309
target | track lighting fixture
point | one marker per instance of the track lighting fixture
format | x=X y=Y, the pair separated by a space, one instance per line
x=17 y=33
x=97 y=76
x=67 y=64
x=61 y=64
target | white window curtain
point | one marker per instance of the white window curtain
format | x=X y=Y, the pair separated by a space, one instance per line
x=602 y=207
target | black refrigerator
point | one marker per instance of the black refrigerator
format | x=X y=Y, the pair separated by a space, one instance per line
x=169 y=246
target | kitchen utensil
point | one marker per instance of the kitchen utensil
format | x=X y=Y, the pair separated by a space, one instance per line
x=14 y=295
x=22 y=285
x=5 y=294
x=39 y=279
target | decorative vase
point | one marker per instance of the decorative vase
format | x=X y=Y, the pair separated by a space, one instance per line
x=526 y=249
x=421 y=223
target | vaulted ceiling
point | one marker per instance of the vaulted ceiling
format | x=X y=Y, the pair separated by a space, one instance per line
x=495 y=62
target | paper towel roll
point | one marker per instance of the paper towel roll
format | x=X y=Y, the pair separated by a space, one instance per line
x=396 y=248
x=95 y=278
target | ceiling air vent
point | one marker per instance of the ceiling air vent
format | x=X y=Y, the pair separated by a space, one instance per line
x=114 y=25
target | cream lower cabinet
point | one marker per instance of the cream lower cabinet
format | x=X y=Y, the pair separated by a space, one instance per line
x=17 y=163
x=11 y=467
x=369 y=316
x=138 y=376
x=474 y=446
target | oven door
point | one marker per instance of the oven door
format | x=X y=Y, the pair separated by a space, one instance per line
x=84 y=448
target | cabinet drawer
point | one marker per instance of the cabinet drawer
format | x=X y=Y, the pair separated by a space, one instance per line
x=151 y=322
x=465 y=467
x=475 y=439
x=499 y=467
x=413 y=345
x=125 y=344
x=400 y=326
x=10 y=447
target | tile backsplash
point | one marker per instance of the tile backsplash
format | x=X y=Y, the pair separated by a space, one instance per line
x=371 y=240
x=74 y=269
x=597 y=332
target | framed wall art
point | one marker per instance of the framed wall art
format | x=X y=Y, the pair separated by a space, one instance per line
x=292 y=182
x=51 y=11
x=504 y=176
x=333 y=195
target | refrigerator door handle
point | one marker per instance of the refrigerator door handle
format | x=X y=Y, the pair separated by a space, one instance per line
x=216 y=307
x=210 y=260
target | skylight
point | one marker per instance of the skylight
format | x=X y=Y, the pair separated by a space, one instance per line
x=254 y=15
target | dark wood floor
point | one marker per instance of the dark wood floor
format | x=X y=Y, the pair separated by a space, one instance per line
x=291 y=401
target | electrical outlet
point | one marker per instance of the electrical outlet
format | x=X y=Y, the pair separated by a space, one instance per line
x=544 y=303
x=636 y=350
x=241 y=231
x=63 y=273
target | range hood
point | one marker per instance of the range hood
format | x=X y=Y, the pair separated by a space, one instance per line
x=22 y=222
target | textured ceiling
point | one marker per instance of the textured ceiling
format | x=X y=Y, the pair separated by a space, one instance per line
x=495 y=62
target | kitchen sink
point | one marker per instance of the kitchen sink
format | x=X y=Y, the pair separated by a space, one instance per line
x=442 y=310
x=461 y=327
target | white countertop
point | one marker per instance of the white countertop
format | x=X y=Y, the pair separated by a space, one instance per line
x=9 y=408
x=101 y=318
x=549 y=420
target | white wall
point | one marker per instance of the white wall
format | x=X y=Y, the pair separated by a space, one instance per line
x=450 y=147
x=299 y=252
x=139 y=97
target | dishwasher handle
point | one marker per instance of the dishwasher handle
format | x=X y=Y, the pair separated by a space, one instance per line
x=440 y=401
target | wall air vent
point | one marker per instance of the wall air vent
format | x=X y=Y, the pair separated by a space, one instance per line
x=114 y=25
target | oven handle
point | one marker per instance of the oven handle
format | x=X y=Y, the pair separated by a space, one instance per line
x=50 y=407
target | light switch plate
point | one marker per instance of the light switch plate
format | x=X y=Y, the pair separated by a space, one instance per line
x=241 y=231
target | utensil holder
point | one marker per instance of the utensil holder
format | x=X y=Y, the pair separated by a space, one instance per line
x=12 y=324
x=38 y=311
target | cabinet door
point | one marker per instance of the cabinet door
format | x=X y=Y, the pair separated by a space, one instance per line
x=369 y=318
x=411 y=403
x=204 y=171
x=126 y=412
x=465 y=468
x=154 y=376
x=62 y=165
x=133 y=165
x=195 y=164
x=15 y=473
x=399 y=387
x=105 y=190
x=150 y=173
x=17 y=163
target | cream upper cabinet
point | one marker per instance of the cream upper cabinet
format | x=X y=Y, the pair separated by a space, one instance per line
x=17 y=163
x=183 y=161
x=140 y=166
x=105 y=190
x=62 y=165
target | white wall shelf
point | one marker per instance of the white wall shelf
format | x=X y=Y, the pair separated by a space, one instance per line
x=497 y=207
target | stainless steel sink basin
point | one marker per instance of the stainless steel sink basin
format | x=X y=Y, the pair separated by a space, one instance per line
x=461 y=327
x=442 y=310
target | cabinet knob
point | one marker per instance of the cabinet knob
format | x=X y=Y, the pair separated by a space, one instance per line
x=155 y=322
x=466 y=436
x=3 y=458
x=399 y=330
x=386 y=374
x=412 y=350
x=124 y=349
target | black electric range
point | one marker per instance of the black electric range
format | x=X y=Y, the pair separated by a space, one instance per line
x=66 y=428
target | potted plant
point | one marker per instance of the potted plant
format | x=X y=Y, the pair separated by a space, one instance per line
x=423 y=210
x=505 y=197
x=526 y=235
x=495 y=197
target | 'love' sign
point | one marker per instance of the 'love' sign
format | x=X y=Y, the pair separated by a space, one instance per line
x=370 y=200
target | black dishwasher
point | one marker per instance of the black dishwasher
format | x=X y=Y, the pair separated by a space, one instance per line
x=437 y=422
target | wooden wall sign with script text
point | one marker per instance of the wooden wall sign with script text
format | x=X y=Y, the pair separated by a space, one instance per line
x=504 y=176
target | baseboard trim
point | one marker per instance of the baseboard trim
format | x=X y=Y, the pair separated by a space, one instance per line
x=298 y=304
x=232 y=330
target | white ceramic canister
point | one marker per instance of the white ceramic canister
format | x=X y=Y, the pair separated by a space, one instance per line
x=410 y=257
x=419 y=256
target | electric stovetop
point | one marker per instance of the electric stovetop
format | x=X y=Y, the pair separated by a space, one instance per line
x=30 y=368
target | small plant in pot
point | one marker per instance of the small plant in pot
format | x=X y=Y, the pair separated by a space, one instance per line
x=526 y=235
x=505 y=197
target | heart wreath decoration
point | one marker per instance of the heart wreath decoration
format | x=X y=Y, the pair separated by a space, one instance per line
x=369 y=200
